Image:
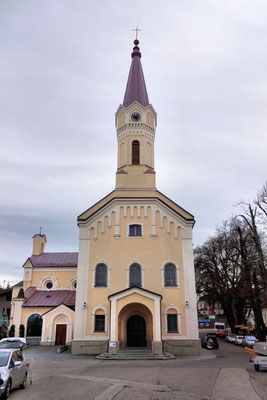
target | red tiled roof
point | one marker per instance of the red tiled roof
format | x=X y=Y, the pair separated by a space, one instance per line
x=51 y=298
x=55 y=260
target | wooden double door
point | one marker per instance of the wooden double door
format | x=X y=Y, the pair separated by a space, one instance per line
x=61 y=333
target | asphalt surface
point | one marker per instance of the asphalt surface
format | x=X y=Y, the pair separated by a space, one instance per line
x=223 y=374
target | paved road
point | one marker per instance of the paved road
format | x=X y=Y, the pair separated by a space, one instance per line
x=229 y=376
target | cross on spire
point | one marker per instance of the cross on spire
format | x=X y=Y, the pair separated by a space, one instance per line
x=136 y=32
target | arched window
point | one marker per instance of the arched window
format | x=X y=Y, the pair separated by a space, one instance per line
x=172 y=323
x=135 y=152
x=101 y=275
x=135 y=275
x=34 y=325
x=135 y=230
x=170 y=278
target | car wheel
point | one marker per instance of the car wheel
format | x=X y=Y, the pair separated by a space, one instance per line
x=5 y=395
x=23 y=385
x=257 y=367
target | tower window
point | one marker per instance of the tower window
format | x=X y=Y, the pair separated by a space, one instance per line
x=101 y=274
x=135 y=275
x=135 y=230
x=170 y=278
x=135 y=152
x=172 y=323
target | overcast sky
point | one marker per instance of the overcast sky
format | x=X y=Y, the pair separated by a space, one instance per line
x=63 y=71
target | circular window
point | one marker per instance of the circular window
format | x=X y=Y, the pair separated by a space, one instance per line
x=49 y=285
x=75 y=285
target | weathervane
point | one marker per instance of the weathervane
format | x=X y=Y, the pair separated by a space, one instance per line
x=136 y=31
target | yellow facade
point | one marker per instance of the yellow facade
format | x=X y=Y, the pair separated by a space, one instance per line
x=134 y=271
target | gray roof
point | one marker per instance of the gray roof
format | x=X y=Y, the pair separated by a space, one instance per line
x=55 y=260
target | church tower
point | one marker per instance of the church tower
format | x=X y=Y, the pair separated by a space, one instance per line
x=136 y=122
x=135 y=275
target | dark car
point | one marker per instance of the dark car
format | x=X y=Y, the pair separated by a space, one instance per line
x=210 y=342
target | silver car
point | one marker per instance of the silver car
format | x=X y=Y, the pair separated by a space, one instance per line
x=13 y=371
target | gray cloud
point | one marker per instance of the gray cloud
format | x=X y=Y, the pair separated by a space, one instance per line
x=63 y=73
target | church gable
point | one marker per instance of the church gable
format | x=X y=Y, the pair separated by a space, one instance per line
x=156 y=214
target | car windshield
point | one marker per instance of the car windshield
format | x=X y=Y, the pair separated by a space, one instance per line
x=250 y=338
x=10 y=345
x=4 y=356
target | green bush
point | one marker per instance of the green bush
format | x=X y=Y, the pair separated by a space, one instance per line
x=21 y=330
x=11 y=332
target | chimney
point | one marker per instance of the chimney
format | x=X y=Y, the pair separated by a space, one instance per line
x=39 y=242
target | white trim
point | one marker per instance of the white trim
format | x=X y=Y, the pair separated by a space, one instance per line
x=45 y=280
x=108 y=278
x=52 y=327
x=177 y=275
x=178 y=313
x=71 y=283
x=54 y=269
x=99 y=307
x=144 y=293
x=142 y=274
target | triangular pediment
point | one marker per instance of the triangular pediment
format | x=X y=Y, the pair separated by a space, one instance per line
x=132 y=290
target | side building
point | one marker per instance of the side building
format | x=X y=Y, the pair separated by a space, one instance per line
x=45 y=302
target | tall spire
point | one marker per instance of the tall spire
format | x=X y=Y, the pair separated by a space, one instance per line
x=136 y=86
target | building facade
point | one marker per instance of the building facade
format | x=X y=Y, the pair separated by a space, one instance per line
x=135 y=273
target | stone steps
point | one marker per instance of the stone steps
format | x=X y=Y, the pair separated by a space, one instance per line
x=135 y=354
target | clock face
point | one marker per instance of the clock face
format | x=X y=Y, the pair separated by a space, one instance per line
x=135 y=116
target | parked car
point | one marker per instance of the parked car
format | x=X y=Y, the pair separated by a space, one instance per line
x=220 y=333
x=230 y=338
x=239 y=340
x=13 y=372
x=20 y=339
x=249 y=341
x=12 y=343
x=210 y=342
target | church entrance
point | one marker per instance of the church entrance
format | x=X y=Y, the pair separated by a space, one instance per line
x=136 y=331
x=61 y=330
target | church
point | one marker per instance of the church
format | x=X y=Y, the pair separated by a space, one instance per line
x=132 y=282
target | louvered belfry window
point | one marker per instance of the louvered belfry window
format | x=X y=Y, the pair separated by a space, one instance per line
x=135 y=275
x=101 y=274
x=135 y=152
x=170 y=275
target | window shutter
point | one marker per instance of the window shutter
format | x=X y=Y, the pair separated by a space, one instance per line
x=135 y=152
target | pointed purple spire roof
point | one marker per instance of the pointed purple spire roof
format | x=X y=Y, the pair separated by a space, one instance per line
x=136 y=86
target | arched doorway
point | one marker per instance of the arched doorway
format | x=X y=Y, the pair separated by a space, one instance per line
x=135 y=320
x=136 y=331
x=34 y=329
